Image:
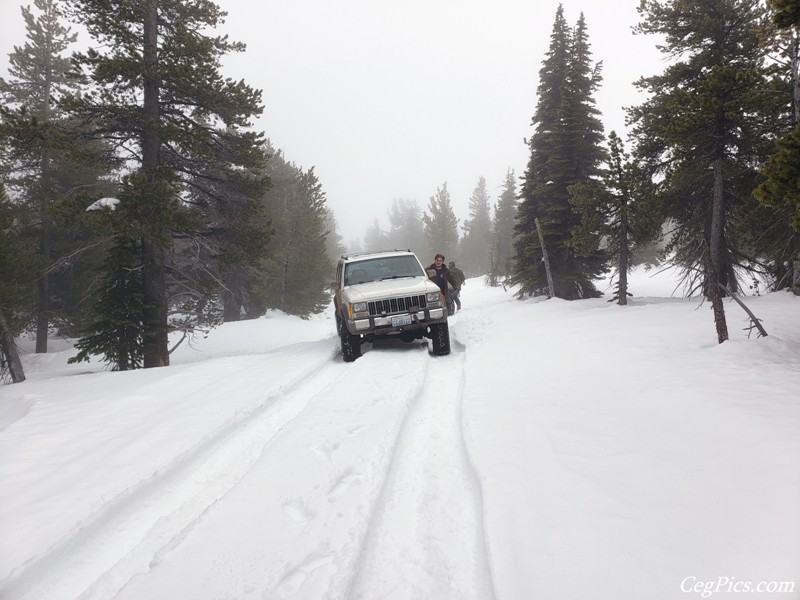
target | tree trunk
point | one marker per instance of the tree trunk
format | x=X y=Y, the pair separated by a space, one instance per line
x=717 y=224
x=43 y=285
x=714 y=253
x=551 y=290
x=715 y=297
x=795 y=50
x=794 y=267
x=284 y=280
x=231 y=307
x=42 y=313
x=8 y=351
x=46 y=200
x=624 y=260
x=154 y=313
x=155 y=342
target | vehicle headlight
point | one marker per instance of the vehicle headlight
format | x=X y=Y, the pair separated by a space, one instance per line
x=432 y=297
x=358 y=307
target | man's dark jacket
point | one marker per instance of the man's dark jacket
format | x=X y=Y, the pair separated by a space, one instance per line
x=442 y=276
x=459 y=275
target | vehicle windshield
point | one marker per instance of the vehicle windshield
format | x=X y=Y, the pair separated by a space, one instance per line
x=378 y=269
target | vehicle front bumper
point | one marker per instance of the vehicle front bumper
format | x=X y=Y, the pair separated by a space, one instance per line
x=382 y=325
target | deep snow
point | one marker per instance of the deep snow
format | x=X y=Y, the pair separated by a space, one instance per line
x=563 y=450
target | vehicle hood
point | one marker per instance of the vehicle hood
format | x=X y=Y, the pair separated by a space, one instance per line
x=375 y=290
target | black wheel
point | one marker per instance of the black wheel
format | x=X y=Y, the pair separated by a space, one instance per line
x=451 y=307
x=339 y=323
x=351 y=345
x=440 y=335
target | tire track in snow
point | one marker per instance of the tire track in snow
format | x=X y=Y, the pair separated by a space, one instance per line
x=426 y=538
x=129 y=531
x=341 y=449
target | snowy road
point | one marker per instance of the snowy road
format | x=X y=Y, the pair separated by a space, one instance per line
x=401 y=520
x=262 y=466
x=369 y=514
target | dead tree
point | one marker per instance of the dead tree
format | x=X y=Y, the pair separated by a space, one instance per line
x=551 y=290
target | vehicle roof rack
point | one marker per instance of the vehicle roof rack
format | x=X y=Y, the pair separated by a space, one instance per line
x=354 y=254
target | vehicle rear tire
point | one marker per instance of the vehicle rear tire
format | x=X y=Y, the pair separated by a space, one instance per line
x=440 y=335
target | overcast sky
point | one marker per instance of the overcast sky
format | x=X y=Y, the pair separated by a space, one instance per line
x=391 y=98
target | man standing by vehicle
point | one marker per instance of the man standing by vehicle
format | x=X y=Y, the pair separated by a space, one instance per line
x=441 y=276
x=460 y=278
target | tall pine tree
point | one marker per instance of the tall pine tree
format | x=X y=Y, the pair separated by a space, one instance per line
x=159 y=94
x=405 y=226
x=474 y=257
x=375 y=238
x=51 y=165
x=704 y=130
x=565 y=149
x=19 y=265
x=296 y=272
x=299 y=250
x=781 y=188
x=617 y=213
x=441 y=226
x=505 y=213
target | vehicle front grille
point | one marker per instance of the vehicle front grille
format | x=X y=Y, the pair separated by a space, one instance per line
x=393 y=306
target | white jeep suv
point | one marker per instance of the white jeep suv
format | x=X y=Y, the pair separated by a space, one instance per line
x=383 y=294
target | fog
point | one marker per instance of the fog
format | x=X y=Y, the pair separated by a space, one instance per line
x=390 y=99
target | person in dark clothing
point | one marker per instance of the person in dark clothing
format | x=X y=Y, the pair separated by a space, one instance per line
x=441 y=276
x=460 y=278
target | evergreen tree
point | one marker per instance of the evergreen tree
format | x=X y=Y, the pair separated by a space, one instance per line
x=295 y=275
x=354 y=246
x=787 y=12
x=782 y=173
x=617 y=214
x=704 y=129
x=115 y=326
x=47 y=158
x=158 y=92
x=305 y=265
x=476 y=245
x=564 y=150
x=227 y=238
x=405 y=226
x=781 y=188
x=441 y=225
x=537 y=190
x=19 y=265
x=333 y=242
x=505 y=213
x=375 y=238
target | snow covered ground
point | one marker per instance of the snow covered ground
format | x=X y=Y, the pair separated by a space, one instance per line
x=564 y=450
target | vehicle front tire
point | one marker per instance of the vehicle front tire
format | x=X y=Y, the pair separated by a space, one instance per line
x=351 y=345
x=451 y=307
x=440 y=336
